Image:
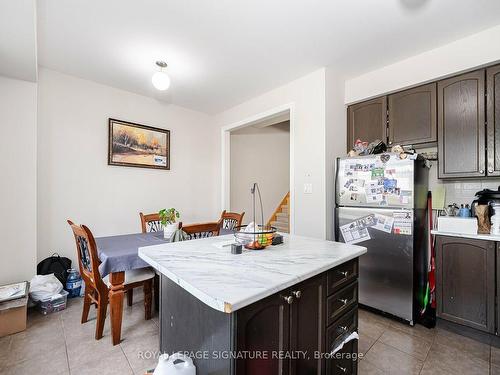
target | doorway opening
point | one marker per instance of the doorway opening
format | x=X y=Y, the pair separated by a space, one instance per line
x=260 y=150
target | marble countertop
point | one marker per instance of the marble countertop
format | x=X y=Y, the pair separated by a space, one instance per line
x=488 y=237
x=228 y=282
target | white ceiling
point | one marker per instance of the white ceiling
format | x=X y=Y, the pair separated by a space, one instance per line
x=18 y=39
x=223 y=52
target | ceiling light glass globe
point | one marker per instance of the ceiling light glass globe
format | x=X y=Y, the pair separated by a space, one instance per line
x=161 y=81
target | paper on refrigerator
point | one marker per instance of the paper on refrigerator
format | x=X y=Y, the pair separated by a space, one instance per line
x=357 y=230
x=403 y=222
x=383 y=223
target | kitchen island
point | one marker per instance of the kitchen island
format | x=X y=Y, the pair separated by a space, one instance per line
x=275 y=311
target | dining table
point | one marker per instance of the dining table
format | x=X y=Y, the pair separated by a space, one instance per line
x=118 y=254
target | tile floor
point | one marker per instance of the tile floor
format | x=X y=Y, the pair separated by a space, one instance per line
x=390 y=347
x=59 y=344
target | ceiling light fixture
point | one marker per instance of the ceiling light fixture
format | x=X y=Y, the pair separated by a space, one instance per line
x=160 y=80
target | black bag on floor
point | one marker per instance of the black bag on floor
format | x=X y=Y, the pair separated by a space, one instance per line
x=57 y=265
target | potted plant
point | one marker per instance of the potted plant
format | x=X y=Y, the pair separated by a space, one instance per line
x=168 y=217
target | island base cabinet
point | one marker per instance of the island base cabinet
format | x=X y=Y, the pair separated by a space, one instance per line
x=465 y=282
x=286 y=333
x=263 y=328
x=289 y=327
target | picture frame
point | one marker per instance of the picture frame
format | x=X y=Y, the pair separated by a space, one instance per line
x=136 y=145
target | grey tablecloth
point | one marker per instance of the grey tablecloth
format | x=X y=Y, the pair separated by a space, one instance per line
x=121 y=253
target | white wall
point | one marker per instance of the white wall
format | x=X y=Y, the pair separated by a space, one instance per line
x=75 y=181
x=18 y=100
x=470 y=52
x=260 y=155
x=307 y=124
x=335 y=139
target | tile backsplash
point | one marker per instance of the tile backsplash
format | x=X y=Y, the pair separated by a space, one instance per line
x=461 y=191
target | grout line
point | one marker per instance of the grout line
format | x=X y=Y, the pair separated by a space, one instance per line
x=65 y=344
x=126 y=358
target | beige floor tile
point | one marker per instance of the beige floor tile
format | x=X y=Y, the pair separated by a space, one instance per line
x=4 y=350
x=392 y=361
x=80 y=350
x=36 y=342
x=495 y=370
x=53 y=361
x=417 y=330
x=464 y=344
x=142 y=352
x=365 y=367
x=369 y=326
x=114 y=363
x=413 y=345
x=365 y=343
x=495 y=356
x=451 y=360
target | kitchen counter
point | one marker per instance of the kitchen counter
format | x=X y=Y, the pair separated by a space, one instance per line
x=228 y=282
x=488 y=237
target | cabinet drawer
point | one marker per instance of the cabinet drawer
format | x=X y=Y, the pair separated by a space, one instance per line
x=342 y=275
x=344 y=362
x=340 y=302
x=341 y=328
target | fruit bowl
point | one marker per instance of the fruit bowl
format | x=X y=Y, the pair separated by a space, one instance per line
x=255 y=240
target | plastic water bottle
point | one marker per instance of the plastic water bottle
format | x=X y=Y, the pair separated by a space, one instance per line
x=176 y=364
x=73 y=283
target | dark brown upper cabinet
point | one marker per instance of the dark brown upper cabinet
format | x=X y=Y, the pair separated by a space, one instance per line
x=367 y=121
x=493 y=126
x=413 y=116
x=461 y=126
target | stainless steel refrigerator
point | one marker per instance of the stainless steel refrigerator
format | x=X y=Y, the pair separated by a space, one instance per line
x=381 y=203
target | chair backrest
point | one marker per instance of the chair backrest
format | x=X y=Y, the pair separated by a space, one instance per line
x=201 y=230
x=150 y=223
x=88 y=260
x=230 y=220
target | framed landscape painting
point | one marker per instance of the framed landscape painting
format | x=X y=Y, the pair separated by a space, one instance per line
x=134 y=145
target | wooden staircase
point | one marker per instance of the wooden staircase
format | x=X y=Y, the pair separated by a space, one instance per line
x=280 y=219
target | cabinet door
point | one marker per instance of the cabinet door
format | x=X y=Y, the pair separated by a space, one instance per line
x=413 y=116
x=263 y=327
x=367 y=121
x=461 y=126
x=307 y=325
x=493 y=127
x=465 y=282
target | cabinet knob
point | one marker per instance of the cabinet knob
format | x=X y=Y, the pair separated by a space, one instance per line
x=288 y=299
x=490 y=170
x=343 y=369
x=343 y=328
x=297 y=293
x=390 y=142
x=343 y=273
x=343 y=301
x=481 y=171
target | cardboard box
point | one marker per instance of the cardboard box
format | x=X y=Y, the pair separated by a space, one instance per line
x=13 y=316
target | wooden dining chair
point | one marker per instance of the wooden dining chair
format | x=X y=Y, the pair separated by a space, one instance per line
x=230 y=220
x=96 y=287
x=201 y=230
x=150 y=222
